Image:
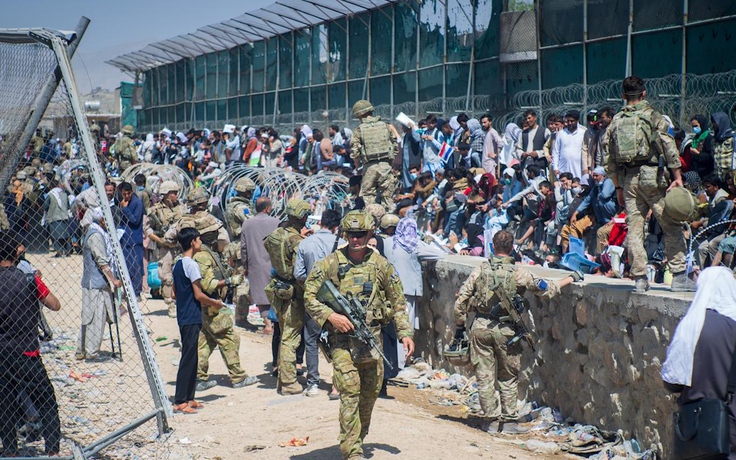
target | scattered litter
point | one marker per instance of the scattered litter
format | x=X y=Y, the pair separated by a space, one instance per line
x=294 y=442
x=541 y=447
x=79 y=378
x=161 y=338
x=253 y=447
x=185 y=441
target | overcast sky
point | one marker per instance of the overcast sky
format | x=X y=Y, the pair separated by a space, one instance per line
x=119 y=27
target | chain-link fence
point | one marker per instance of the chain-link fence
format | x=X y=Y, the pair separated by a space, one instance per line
x=77 y=370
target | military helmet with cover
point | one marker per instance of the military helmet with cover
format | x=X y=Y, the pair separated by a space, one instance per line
x=128 y=129
x=296 y=207
x=362 y=108
x=198 y=195
x=244 y=184
x=389 y=220
x=357 y=221
x=168 y=186
x=679 y=204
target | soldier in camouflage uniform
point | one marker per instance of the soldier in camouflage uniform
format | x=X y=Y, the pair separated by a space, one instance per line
x=359 y=271
x=161 y=217
x=285 y=292
x=125 y=150
x=642 y=180
x=217 y=324
x=37 y=144
x=488 y=292
x=375 y=145
x=241 y=296
x=238 y=208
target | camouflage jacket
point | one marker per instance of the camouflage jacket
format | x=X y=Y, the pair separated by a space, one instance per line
x=373 y=140
x=483 y=288
x=161 y=218
x=125 y=152
x=213 y=270
x=281 y=245
x=238 y=209
x=373 y=281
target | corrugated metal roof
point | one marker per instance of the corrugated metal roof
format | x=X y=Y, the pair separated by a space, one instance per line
x=279 y=18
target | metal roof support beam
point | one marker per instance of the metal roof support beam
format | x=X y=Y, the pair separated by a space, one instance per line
x=255 y=29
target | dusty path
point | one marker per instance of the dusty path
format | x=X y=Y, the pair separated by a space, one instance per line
x=250 y=422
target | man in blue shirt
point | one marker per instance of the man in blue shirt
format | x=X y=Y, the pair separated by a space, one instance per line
x=602 y=197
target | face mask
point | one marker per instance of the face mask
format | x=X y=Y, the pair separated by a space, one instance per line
x=413 y=176
x=140 y=189
x=507 y=181
x=576 y=190
x=697 y=130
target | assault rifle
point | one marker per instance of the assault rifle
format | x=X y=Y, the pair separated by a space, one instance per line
x=514 y=317
x=354 y=311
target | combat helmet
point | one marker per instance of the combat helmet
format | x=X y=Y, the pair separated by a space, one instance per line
x=679 y=204
x=198 y=195
x=296 y=207
x=207 y=223
x=36 y=162
x=168 y=186
x=362 y=108
x=375 y=210
x=128 y=130
x=244 y=184
x=357 y=221
x=389 y=220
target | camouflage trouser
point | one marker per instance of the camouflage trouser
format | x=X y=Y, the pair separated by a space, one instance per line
x=165 y=263
x=495 y=361
x=241 y=299
x=291 y=321
x=639 y=200
x=378 y=178
x=359 y=385
x=217 y=331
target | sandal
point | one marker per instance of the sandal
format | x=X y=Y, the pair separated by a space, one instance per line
x=195 y=404
x=184 y=409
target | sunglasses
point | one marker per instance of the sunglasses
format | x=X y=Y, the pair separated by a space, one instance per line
x=357 y=234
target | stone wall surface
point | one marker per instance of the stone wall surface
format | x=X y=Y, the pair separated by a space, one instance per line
x=599 y=352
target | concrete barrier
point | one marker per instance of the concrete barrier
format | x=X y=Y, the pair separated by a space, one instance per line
x=599 y=353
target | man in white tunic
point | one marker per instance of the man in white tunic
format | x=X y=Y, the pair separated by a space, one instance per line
x=569 y=153
x=97 y=282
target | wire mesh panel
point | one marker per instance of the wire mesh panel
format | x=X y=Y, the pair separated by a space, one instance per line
x=76 y=367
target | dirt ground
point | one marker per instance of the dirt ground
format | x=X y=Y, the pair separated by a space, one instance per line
x=250 y=422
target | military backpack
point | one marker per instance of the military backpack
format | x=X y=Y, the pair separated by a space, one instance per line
x=635 y=136
x=376 y=140
x=277 y=245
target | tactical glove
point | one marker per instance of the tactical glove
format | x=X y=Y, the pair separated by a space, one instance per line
x=577 y=275
x=234 y=280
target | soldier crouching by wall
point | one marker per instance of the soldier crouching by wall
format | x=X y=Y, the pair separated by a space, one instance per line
x=489 y=292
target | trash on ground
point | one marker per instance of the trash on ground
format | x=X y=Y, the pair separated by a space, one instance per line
x=294 y=442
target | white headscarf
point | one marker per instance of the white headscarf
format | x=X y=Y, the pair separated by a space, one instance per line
x=510 y=138
x=715 y=290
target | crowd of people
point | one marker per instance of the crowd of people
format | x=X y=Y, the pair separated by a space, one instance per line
x=615 y=196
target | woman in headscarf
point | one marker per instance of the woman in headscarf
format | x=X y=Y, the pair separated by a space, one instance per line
x=700 y=354
x=147 y=148
x=701 y=147
x=251 y=144
x=510 y=139
x=723 y=145
x=477 y=137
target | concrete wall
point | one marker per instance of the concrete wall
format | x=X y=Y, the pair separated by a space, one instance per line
x=599 y=353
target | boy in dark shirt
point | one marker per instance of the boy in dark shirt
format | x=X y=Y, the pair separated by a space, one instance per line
x=189 y=300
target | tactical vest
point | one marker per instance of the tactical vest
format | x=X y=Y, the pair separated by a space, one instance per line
x=236 y=215
x=376 y=140
x=162 y=217
x=220 y=271
x=361 y=281
x=280 y=252
x=496 y=279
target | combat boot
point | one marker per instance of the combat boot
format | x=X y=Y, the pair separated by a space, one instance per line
x=172 y=311
x=681 y=283
x=642 y=285
x=291 y=389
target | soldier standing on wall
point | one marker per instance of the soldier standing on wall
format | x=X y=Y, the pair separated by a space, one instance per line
x=639 y=151
x=360 y=272
x=495 y=350
x=374 y=145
